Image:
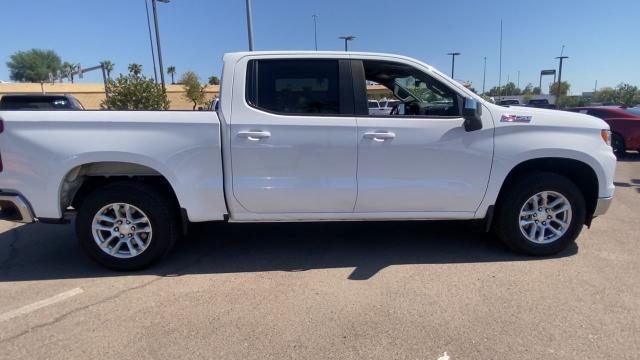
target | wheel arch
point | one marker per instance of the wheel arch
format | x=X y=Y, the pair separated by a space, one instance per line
x=577 y=171
x=82 y=179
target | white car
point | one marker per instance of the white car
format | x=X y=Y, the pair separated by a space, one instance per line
x=293 y=140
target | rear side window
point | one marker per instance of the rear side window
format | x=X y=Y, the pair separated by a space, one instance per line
x=294 y=86
x=34 y=103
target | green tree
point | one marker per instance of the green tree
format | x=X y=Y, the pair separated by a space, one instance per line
x=135 y=92
x=34 y=65
x=573 y=101
x=171 y=70
x=606 y=96
x=511 y=89
x=528 y=90
x=194 y=91
x=214 y=80
x=564 y=88
x=108 y=67
x=536 y=91
x=627 y=95
x=135 y=69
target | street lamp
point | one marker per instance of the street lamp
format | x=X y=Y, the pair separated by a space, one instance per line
x=155 y=21
x=315 y=29
x=484 y=74
x=346 y=39
x=559 y=80
x=153 y=55
x=249 y=24
x=453 y=61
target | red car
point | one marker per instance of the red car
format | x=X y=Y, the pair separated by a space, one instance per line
x=624 y=123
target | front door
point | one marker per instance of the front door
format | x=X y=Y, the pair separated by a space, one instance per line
x=293 y=137
x=419 y=158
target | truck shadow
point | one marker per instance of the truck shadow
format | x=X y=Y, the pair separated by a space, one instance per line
x=48 y=252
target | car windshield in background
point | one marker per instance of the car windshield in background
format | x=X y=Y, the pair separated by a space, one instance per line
x=633 y=111
x=39 y=102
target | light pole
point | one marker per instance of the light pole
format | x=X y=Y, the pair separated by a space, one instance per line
x=518 y=79
x=484 y=74
x=559 y=83
x=155 y=22
x=249 y=25
x=453 y=61
x=346 y=39
x=153 y=55
x=315 y=29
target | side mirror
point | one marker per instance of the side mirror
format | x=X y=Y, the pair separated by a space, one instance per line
x=472 y=114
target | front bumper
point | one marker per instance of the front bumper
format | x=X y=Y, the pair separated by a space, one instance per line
x=602 y=206
x=14 y=207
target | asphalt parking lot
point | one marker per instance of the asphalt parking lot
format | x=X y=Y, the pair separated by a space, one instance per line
x=385 y=290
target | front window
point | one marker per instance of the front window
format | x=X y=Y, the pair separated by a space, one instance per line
x=415 y=93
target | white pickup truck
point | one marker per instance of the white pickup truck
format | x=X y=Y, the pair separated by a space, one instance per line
x=293 y=140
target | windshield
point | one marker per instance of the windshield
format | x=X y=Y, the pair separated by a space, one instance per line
x=633 y=111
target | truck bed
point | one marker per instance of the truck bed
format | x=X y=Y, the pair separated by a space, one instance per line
x=44 y=152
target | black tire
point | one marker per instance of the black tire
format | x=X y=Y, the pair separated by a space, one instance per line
x=617 y=143
x=161 y=213
x=513 y=198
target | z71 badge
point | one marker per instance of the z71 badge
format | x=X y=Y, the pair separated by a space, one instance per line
x=516 y=118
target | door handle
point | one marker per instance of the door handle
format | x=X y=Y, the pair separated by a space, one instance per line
x=379 y=136
x=254 y=135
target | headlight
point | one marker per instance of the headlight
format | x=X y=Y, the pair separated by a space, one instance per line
x=606 y=136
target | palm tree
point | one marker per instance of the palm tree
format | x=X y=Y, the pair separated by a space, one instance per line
x=108 y=67
x=135 y=69
x=68 y=69
x=171 y=70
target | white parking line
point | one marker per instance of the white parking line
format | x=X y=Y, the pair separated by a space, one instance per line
x=40 y=304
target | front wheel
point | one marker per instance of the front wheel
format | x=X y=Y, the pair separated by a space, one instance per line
x=126 y=226
x=540 y=214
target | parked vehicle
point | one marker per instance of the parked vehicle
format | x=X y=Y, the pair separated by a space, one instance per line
x=624 y=123
x=39 y=102
x=387 y=105
x=540 y=103
x=293 y=140
x=509 y=102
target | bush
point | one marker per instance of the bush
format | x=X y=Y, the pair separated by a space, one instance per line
x=135 y=92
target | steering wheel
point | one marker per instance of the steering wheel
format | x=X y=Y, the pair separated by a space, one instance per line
x=395 y=110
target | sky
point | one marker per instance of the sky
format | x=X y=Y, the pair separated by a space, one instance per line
x=601 y=38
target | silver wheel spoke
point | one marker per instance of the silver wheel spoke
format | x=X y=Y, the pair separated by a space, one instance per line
x=103 y=228
x=132 y=248
x=105 y=244
x=106 y=218
x=142 y=230
x=116 y=247
x=138 y=241
x=555 y=231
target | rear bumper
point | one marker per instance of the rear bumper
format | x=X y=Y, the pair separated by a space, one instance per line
x=602 y=206
x=14 y=207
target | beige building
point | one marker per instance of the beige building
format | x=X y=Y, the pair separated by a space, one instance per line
x=91 y=95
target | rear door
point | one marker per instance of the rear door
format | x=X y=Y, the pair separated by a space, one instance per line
x=293 y=136
x=419 y=158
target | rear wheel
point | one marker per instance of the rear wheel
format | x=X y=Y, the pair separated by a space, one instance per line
x=127 y=226
x=617 y=143
x=540 y=214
